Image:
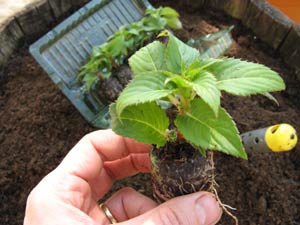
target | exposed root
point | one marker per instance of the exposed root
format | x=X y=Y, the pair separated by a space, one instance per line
x=214 y=190
x=225 y=207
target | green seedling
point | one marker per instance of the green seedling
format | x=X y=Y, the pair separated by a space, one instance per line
x=125 y=42
x=176 y=74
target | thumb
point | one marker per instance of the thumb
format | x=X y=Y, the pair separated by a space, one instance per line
x=195 y=209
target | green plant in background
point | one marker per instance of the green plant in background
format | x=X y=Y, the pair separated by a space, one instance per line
x=125 y=42
x=176 y=74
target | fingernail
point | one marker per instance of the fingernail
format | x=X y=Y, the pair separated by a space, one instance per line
x=207 y=209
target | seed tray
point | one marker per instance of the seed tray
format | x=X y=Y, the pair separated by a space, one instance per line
x=63 y=50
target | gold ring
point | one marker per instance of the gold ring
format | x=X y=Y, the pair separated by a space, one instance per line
x=108 y=213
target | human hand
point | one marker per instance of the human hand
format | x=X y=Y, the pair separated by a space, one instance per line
x=69 y=194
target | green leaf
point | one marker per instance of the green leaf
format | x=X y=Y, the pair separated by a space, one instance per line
x=179 y=55
x=174 y=23
x=146 y=123
x=89 y=79
x=154 y=23
x=169 y=12
x=117 y=46
x=244 y=78
x=180 y=81
x=204 y=84
x=172 y=17
x=201 y=64
x=147 y=87
x=148 y=58
x=203 y=129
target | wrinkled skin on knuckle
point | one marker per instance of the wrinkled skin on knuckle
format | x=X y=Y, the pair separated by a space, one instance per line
x=169 y=216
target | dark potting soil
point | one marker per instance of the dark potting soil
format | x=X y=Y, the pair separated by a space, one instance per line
x=109 y=89
x=179 y=169
x=38 y=126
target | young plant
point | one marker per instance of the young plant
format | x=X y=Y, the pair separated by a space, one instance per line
x=125 y=42
x=173 y=103
x=176 y=74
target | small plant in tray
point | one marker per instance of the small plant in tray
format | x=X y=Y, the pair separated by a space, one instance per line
x=173 y=103
x=107 y=71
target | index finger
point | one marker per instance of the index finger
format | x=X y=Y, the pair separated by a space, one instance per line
x=86 y=158
x=112 y=146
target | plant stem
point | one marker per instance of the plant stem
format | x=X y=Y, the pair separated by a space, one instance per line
x=174 y=100
x=184 y=104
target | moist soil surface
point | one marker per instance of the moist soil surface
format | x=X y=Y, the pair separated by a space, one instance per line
x=38 y=126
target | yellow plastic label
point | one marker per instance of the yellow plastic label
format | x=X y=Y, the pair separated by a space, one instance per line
x=281 y=137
